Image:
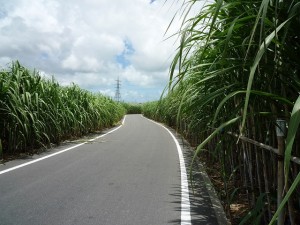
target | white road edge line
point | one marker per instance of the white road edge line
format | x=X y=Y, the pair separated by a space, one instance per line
x=62 y=151
x=185 y=198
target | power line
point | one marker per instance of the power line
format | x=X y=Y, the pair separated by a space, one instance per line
x=118 y=94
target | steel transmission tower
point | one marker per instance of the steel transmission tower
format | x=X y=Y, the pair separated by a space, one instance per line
x=118 y=94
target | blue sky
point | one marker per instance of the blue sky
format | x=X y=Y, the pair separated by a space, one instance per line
x=93 y=42
x=122 y=58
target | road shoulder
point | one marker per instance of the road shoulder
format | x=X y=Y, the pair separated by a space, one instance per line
x=205 y=204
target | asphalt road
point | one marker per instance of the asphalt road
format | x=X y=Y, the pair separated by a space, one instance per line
x=129 y=177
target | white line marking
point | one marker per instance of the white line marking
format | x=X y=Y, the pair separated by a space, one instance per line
x=185 y=198
x=62 y=151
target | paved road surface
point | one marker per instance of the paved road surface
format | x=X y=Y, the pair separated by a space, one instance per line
x=128 y=177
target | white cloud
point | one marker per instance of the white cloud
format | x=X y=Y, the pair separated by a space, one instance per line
x=79 y=41
x=4 y=61
x=107 y=92
x=40 y=15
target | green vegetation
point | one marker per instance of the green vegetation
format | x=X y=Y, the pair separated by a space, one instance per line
x=132 y=108
x=149 y=109
x=36 y=112
x=235 y=73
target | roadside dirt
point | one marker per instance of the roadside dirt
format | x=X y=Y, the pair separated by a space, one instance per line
x=239 y=206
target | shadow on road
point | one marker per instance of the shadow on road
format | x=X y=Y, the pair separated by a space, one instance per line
x=202 y=209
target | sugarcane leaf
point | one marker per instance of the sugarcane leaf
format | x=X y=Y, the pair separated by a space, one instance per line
x=294 y=185
x=292 y=130
x=257 y=59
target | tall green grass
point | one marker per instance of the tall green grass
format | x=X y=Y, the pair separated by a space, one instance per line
x=132 y=108
x=36 y=112
x=236 y=71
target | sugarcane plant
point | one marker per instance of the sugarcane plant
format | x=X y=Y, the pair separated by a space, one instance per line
x=37 y=112
x=235 y=73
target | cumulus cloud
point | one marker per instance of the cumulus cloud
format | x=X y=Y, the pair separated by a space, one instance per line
x=92 y=42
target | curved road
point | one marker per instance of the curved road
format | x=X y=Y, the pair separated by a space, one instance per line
x=130 y=176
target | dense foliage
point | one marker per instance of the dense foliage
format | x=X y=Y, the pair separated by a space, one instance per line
x=132 y=108
x=237 y=71
x=36 y=112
